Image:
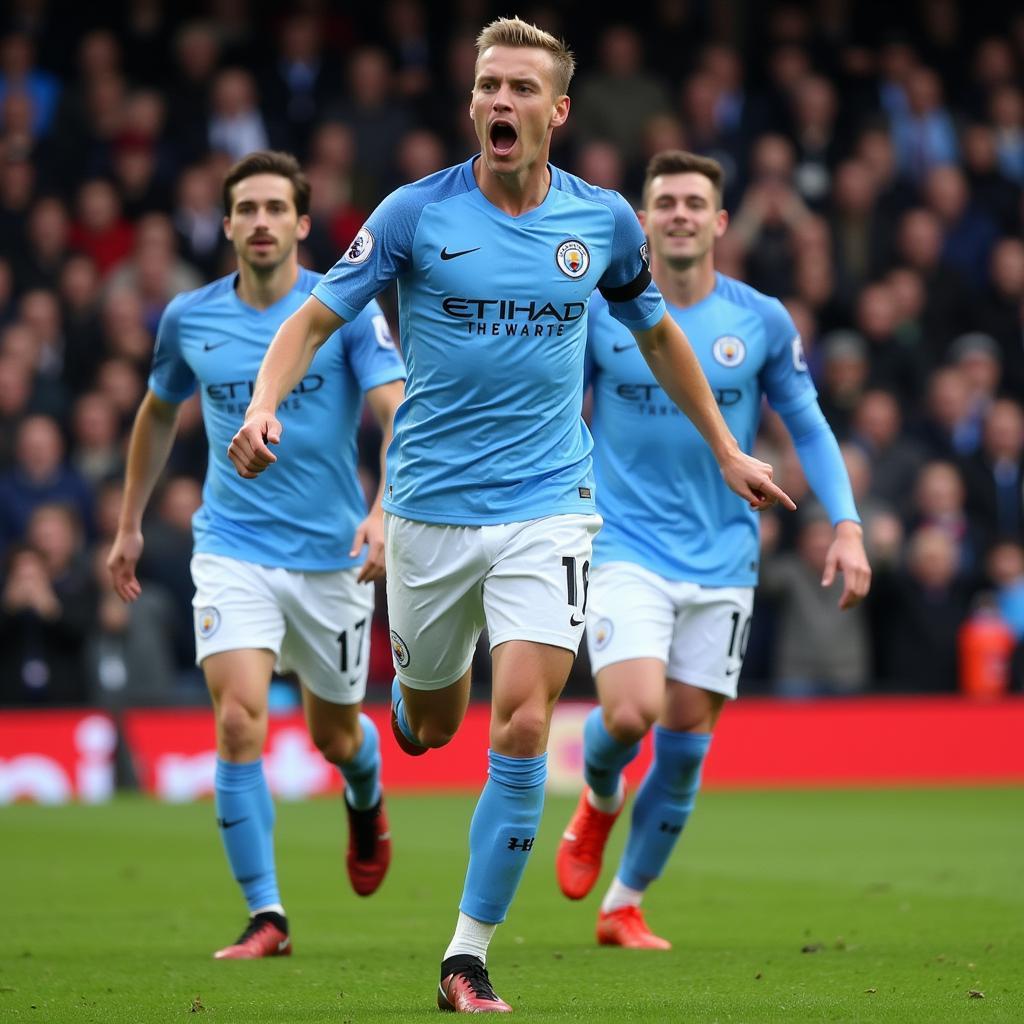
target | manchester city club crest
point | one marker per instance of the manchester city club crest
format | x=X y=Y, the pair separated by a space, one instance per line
x=361 y=247
x=602 y=634
x=729 y=350
x=207 y=621
x=573 y=258
x=399 y=650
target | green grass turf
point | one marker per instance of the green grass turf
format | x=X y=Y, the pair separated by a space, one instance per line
x=904 y=900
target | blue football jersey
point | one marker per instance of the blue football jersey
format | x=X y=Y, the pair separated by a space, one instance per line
x=492 y=313
x=301 y=513
x=659 y=488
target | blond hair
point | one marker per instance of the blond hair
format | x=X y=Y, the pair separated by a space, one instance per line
x=514 y=32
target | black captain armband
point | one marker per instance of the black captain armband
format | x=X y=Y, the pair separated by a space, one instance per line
x=629 y=291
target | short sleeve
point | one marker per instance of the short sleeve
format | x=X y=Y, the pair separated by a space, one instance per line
x=633 y=297
x=380 y=252
x=171 y=378
x=370 y=350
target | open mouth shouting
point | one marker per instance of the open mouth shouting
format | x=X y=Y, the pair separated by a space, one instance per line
x=503 y=137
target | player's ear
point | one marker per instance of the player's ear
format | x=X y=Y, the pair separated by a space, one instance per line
x=227 y=228
x=721 y=222
x=303 y=227
x=641 y=215
x=561 y=112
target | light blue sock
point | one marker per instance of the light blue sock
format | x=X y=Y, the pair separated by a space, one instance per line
x=362 y=773
x=245 y=815
x=398 y=703
x=604 y=756
x=662 y=805
x=502 y=834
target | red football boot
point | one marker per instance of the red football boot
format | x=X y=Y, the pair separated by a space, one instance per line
x=627 y=927
x=466 y=988
x=265 y=935
x=578 y=861
x=369 y=847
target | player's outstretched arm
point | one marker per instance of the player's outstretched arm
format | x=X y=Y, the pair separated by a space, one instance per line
x=678 y=371
x=384 y=400
x=156 y=423
x=287 y=359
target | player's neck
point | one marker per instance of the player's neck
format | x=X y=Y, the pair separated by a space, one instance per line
x=261 y=290
x=685 y=286
x=514 y=194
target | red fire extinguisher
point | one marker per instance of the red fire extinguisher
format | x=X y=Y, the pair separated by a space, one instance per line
x=985 y=644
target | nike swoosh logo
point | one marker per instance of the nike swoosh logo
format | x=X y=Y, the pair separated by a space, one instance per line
x=224 y=823
x=209 y=348
x=283 y=944
x=446 y=255
x=623 y=348
x=573 y=622
x=731 y=671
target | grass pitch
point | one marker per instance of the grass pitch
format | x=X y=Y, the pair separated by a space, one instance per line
x=890 y=905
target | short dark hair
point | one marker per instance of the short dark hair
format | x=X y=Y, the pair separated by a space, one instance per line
x=269 y=161
x=678 y=161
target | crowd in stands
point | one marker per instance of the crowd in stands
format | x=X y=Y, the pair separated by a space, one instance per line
x=875 y=165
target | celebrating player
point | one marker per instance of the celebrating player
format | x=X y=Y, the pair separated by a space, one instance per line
x=489 y=500
x=279 y=568
x=676 y=562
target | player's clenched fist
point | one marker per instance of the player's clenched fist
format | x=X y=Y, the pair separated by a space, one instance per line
x=248 y=450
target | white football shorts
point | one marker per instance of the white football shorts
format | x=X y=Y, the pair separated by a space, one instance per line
x=523 y=581
x=699 y=632
x=316 y=623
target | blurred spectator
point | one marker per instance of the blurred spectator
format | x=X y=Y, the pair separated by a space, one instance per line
x=820 y=650
x=167 y=554
x=47 y=238
x=1001 y=311
x=844 y=375
x=15 y=391
x=197 y=51
x=861 y=234
x=198 y=218
x=940 y=501
x=919 y=246
x=154 y=271
x=896 y=364
x=1004 y=567
x=95 y=438
x=39 y=476
x=40 y=640
x=946 y=428
x=883 y=530
x=377 y=118
x=297 y=85
x=877 y=428
x=19 y=74
x=17 y=189
x=83 y=338
x=815 y=109
x=995 y=474
x=771 y=208
x=235 y=125
x=968 y=234
x=1007 y=114
x=923 y=134
x=129 y=657
x=918 y=610
x=992 y=190
x=977 y=357
x=100 y=230
x=614 y=99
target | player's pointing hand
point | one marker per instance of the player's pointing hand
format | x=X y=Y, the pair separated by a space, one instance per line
x=752 y=480
x=248 y=450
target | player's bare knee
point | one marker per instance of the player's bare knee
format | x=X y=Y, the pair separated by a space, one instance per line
x=523 y=733
x=337 y=746
x=628 y=723
x=240 y=728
